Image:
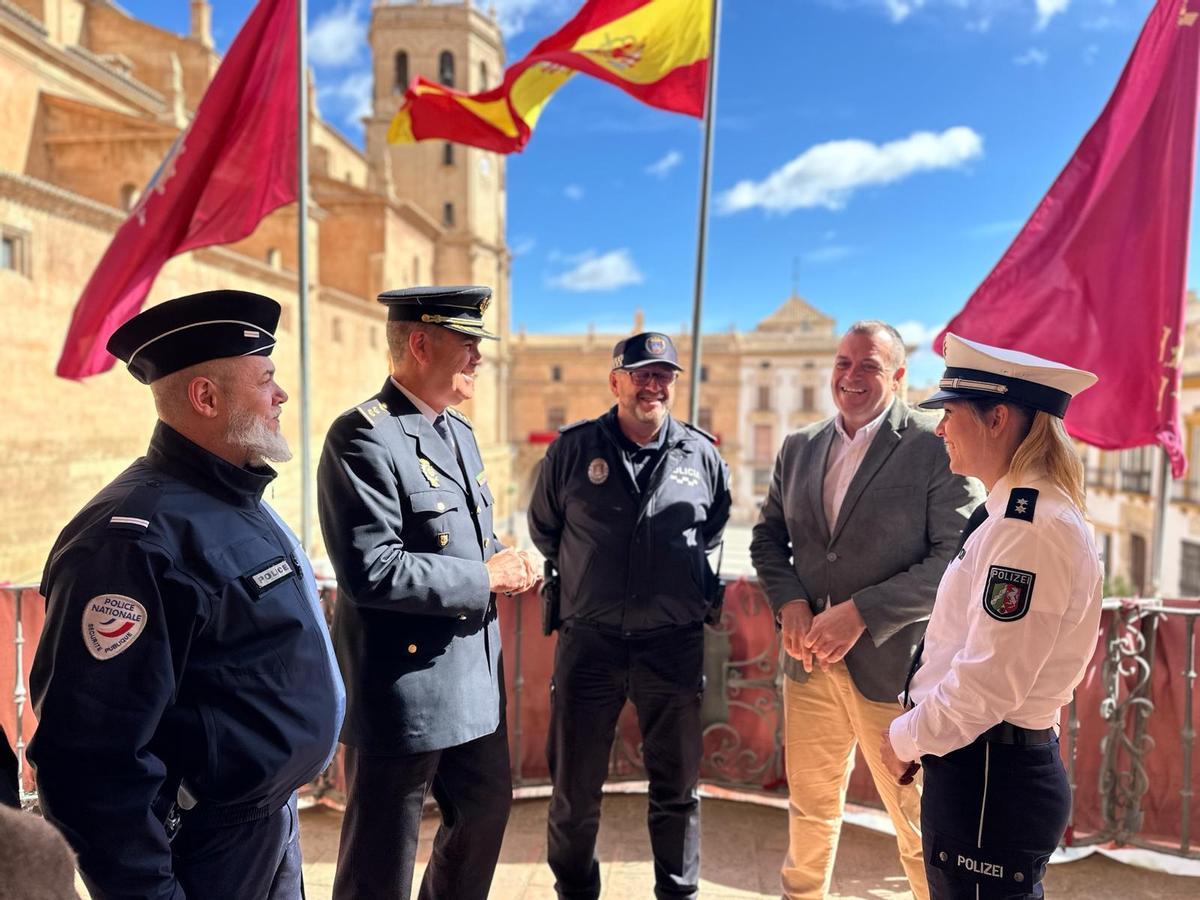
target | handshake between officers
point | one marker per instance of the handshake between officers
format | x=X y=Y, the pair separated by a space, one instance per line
x=406 y=512
x=184 y=683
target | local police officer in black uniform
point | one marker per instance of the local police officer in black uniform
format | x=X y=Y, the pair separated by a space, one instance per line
x=185 y=684
x=626 y=506
x=406 y=511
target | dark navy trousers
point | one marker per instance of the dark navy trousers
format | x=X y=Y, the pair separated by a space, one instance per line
x=595 y=672
x=991 y=815
x=254 y=861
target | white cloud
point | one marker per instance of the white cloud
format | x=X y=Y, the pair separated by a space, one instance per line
x=339 y=36
x=826 y=175
x=1047 y=10
x=513 y=15
x=613 y=270
x=522 y=245
x=831 y=253
x=924 y=366
x=1004 y=228
x=573 y=192
x=663 y=167
x=899 y=10
x=1090 y=52
x=348 y=100
x=1032 y=57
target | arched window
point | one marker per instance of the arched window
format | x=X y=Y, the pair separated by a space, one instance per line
x=448 y=214
x=129 y=196
x=448 y=154
x=483 y=79
x=446 y=68
x=401 y=82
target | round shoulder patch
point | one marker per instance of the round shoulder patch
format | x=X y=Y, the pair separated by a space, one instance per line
x=111 y=623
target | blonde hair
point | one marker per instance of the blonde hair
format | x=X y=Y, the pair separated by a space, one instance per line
x=1048 y=449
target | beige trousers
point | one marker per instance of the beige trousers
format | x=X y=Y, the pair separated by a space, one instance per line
x=824 y=718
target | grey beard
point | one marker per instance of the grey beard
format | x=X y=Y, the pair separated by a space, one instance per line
x=251 y=433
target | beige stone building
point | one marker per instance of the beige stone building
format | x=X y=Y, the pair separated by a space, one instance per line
x=90 y=102
x=755 y=387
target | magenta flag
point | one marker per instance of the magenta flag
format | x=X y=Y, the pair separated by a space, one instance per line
x=1095 y=279
x=233 y=165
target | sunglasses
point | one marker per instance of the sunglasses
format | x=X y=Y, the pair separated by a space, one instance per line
x=641 y=378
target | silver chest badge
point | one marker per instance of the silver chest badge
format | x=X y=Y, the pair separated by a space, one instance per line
x=597 y=471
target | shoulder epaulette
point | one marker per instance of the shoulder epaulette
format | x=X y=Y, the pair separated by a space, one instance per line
x=460 y=416
x=372 y=410
x=712 y=438
x=135 y=512
x=1021 y=504
x=563 y=429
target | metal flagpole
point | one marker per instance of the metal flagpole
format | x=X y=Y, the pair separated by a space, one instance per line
x=710 y=110
x=1162 y=500
x=306 y=498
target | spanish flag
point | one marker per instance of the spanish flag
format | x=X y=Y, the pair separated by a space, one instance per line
x=654 y=50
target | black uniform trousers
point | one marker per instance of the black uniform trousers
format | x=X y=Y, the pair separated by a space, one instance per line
x=991 y=815
x=257 y=860
x=472 y=785
x=595 y=672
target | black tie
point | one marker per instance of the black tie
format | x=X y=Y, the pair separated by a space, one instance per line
x=980 y=513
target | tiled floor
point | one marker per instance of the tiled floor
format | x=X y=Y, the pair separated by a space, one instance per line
x=742 y=848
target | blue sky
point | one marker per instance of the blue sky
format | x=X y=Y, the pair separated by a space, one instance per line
x=879 y=155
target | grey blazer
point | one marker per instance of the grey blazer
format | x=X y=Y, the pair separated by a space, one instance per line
x=896 y=531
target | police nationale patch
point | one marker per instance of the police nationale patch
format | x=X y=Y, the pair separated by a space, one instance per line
x=1007 y=593
x=111 y=623
x=597 y=471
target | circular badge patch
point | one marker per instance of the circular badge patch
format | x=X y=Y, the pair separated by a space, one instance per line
x=598 y=471
x=111 y=623
x=656 y=345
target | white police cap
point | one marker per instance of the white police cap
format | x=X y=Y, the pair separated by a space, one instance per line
x=975 y=370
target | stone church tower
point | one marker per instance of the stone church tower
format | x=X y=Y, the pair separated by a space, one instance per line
x=460 y=188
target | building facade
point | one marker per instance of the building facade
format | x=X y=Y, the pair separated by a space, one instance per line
x=91 y=101
x=755 y=387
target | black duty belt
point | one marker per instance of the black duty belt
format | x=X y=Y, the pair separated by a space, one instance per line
x=1007 y=733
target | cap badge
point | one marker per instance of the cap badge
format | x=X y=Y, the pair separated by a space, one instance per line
x=597 y=471
x=656 y=345
x=487 y=301
x=430 y=475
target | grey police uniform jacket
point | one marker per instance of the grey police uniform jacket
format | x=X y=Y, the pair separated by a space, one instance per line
x=408 y=534
x=183 y=642
x=898 y=526
x=628 y=560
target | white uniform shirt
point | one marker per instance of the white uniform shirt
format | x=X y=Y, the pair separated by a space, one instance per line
x=841 y=465
x=1013 y=627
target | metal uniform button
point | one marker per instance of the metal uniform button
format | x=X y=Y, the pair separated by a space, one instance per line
x=412 y=648
x=462 y=617
x=942 y=856
x=478 y=509
x=831 y=556
x=441 y=507
x=486 y=541
x=1018 y=876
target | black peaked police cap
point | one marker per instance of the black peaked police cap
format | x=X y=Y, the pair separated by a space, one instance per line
x=194 y=329
x=458 y=307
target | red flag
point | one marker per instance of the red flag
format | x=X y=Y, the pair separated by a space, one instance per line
x=233 y=165
x=1095 y=279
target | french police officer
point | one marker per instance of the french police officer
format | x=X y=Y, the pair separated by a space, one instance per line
x=185 y=684
x=1011 y=632
x=626 y=506
x=406 y=511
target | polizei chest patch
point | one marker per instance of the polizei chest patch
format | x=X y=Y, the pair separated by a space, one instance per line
x=111 y=623
x=1007 y=593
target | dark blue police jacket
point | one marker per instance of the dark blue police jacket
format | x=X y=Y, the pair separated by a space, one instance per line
x=183 y=642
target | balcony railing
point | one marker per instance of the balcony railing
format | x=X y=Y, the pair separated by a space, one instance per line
x=1136 y=481
x=1128 y=738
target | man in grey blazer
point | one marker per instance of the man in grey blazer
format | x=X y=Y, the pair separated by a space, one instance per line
x=861 y=519
x=406 y=513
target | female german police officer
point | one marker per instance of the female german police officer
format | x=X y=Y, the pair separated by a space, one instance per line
x=1011 y=633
